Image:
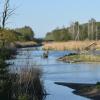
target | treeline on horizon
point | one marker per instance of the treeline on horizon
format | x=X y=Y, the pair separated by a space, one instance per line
x=76 y=31
x=8 y=36
x=12 y=35
x=25 y=33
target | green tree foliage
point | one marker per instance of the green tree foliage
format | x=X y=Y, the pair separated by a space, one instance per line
x=83 y=32
x=98 y=30
x=7 y=37
x=58 y=35
x=76 y=32
x=25 y=33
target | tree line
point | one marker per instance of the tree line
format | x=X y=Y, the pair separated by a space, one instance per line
x=10 y=35
x=76 y=31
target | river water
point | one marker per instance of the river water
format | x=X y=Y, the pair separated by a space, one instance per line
x=56 y=71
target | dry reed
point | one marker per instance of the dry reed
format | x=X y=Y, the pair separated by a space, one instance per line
x=70 y=45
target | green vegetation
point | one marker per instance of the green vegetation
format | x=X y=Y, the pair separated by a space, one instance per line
x=5 y=79
x=76 y=31
x=16 y=86
x=19 y=86
x=98 y=85
x=8 y=36
x=80 y=58
x=25 y=33
x=58 y=35
x=11 y=88
x=23 y=97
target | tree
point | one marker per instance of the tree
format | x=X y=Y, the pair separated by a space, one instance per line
x=59 y=35
x=71 y=30
x=77 y=30
x=92 y=29
x=7 y=37
x=26 y=33
x=7 y=12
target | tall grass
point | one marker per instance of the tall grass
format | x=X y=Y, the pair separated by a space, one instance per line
x=28 y=83
x=23 y=85
x=70 y=45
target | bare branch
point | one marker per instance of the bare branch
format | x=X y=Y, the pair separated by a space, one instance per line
x=7 y=13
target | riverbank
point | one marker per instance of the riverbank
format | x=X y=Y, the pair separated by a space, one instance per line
x=91 y=91
x=70 y=45
x=9 y=75
x=26 y=44
x=76 y=58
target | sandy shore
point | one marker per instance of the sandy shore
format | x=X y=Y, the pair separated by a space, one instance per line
x=91 y=91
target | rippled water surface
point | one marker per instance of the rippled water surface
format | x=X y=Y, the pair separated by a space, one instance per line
x=56 y=71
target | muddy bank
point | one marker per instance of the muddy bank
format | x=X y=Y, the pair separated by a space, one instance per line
x=91 y=91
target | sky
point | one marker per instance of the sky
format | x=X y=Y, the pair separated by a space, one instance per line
x=45 y=15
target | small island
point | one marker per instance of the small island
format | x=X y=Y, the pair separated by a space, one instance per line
x=88 y=54
x=76 y=58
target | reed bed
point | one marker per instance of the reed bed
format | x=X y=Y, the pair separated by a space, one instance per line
x=20 y=82
x=70 y=45
x=28 y=84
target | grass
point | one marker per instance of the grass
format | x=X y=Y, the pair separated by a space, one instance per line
x=88 y=58
x=27 y=85
x=26 y=44
x=23 y=85
x=81 y=58
x=70 y=45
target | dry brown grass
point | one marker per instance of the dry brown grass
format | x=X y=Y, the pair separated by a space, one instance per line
x=29 y=75
x=70 y=45
x=28 y=43
x=28 y=84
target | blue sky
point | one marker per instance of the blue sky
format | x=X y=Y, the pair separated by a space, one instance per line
x=45 y=15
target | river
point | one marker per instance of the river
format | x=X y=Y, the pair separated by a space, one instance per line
x=56 y=71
